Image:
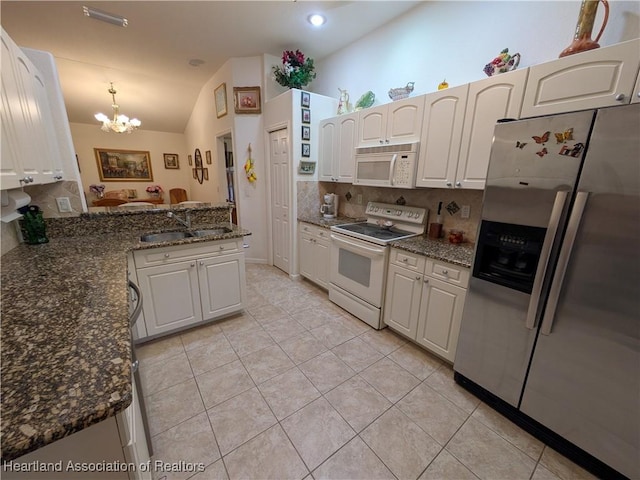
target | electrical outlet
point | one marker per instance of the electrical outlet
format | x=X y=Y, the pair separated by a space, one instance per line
x=64 y=205
x=465 y=212
x=359 y=199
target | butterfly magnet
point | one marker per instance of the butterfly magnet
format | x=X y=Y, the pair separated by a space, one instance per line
x=542 y=152
x=520 y=145
x=544 y=138
x=564 y=136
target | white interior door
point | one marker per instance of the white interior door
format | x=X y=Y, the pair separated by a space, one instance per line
x=280 y=198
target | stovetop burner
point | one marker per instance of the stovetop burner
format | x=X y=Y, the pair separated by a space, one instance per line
x=406 y=222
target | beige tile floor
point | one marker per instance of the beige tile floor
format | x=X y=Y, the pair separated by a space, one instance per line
x=295 y=387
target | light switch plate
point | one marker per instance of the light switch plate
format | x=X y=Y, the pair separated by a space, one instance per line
x=64 y=205
x=465 y=211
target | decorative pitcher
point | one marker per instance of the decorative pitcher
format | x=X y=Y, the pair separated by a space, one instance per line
x=582 y=39
x=502 y=63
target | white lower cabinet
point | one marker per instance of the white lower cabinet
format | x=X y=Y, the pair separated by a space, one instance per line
x=185 y=285
x=117 y=443
x=424 y=301
x=314 y=251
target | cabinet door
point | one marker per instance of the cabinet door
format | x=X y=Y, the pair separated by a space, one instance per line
x=327 y=151
x=402 y=302
x=598 y=78
x=372 y=126
x=440 y=140
x=305 y=251
x=322 y=261
x=222 y=285
x=171 y=296
x=439 y=318
x=489 y=100
x=404 y=120
x=346 y=147
x=45 y=136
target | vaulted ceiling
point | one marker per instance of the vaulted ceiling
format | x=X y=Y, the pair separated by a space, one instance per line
x=148 y=61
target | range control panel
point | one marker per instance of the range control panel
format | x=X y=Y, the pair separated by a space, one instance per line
x=397 y=213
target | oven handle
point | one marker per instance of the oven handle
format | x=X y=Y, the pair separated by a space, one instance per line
x=377 y=251
x=552 y=230
x=392 y=169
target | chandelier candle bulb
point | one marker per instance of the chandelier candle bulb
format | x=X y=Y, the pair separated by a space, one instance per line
x=120 y=123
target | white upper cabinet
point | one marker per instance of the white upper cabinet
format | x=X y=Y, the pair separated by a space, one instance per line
x=337 y=148
x=396 y=122
x=30 y=150
x=489 y=100
x=441 y=134
x=602 y=77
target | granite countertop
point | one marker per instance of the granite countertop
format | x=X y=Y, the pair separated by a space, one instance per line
x=457 y=254
x=66 y=343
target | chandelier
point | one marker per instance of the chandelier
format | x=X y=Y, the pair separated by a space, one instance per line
x=119 y=123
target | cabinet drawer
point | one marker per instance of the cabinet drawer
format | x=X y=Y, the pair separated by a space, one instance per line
x=409 y=260
x=317 y=232
x=164 y=255
x=448 y=272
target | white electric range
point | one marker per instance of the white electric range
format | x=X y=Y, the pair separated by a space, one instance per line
x=359 y=254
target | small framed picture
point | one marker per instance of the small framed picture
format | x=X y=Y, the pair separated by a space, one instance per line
x=306 y=132
x=247 y=99
x=171 y=160
x=306 y=115
x=206 y=173
x=207 y=155
x=220 y=94
x=305 y=99
x=190 y=158
x=306 y=149
x=195 y=174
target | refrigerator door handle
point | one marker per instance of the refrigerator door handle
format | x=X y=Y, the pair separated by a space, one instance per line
x=563 y=261
x=552 y=230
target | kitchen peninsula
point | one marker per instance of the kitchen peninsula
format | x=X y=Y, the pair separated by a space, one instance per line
x=66 y=343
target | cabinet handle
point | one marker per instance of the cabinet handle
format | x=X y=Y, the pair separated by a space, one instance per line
x=445 y=272
x=57 y=177
x=386 y=141
x=201 y=263
x=381 y=142
x=418 y=277
x=221 y=247
x=426 y=280
x=458 y=184
x=620 y=97
x=166 y=255
x=193 y=265
x=448 y=183
x=26 y=179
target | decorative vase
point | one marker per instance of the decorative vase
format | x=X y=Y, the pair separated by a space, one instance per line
x=582 y=39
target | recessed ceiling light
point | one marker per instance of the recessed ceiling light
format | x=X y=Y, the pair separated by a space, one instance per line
x=104 y=16
x=196 y=62
x=316 y=20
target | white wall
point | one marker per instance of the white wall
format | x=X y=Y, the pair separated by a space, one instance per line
x=201 y=132
x=87 y=137
x=454 y=40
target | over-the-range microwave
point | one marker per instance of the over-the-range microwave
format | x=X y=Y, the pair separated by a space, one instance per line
x=387 y=165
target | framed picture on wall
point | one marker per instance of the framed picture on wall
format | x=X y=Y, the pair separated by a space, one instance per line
x=306 y=149
x=220 y=94
x=171 y=160
x=190 y=158
x=207 y=155
x=305 y=99
x=206 y=173
x=247 y=99
x=123 y=165
x=306 y=115
x=306 y=132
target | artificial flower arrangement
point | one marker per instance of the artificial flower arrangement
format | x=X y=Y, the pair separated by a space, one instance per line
x=154 y=189
x=97 y=189
x=296 y=70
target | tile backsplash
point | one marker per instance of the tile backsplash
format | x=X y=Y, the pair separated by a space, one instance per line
x=310 y=195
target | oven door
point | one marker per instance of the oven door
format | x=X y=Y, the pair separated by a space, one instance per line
x=358 y=267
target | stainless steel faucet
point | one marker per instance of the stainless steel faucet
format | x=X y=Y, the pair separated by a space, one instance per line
x=186 y=222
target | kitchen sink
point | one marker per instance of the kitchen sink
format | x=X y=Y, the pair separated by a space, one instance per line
x=210 y=231
x=164 y=237
x=170 y=236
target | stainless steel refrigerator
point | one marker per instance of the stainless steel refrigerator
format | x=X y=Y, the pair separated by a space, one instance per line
x=550 y=334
